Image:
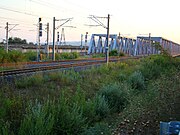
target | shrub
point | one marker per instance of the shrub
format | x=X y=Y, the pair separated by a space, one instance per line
x=121 y=53
x=16 y=56
x=98 y=55
x=36 y=80
x=101 y=106
x=113 y=53
x=39 y=120
x=136 y=81
x=66 y=55
x=75 y=55
x=2 y=54
x=115 y=95
x=4 y=128
x=121 y=77
x=89 y=111
x=31 y=56
x=153 y=66
x=93 y=109
x=69 y=117
x=11 y=56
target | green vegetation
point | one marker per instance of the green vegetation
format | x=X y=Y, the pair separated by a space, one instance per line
x=127 y=98
x=12 y=56
x=111 y=53
x=115 y=53
x=17 y=40
x=65 y=56
x=98 y=55
x=17 y=56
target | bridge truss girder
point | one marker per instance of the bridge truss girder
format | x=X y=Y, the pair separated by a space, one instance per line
x=134 y=47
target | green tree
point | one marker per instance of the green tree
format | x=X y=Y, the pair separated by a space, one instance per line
x=17 y=40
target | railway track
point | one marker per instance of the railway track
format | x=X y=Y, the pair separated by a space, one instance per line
x=31 y=64
x=43 y=66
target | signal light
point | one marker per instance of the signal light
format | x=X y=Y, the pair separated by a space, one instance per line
x=40 y=26
x=57 y=36
x=40 y=33
x=39 y=19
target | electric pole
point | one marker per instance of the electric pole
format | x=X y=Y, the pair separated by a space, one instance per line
x=7 y=28
x=149 y=44
x=53 y=49
x=107 y=45
x=81 y=42
x=96 y=19
x=55 y=28
x=7 y=31
x=47 y=46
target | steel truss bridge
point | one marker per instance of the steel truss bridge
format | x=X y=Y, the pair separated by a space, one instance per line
x=133 y=47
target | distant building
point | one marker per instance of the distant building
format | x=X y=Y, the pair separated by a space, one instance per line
x=59 y=49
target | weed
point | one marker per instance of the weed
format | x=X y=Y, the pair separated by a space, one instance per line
x=36 y=80
x=113 y=53
x=101 y=106
x=115 y=95
x=136 y=81
x=69 y=118
x=39 y=119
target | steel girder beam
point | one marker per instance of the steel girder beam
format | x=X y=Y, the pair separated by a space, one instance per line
x=140 y=46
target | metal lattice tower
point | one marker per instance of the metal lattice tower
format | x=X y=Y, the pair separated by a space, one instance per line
x=62 y=40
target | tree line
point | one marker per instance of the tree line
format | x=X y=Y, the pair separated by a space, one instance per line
x=17 y=40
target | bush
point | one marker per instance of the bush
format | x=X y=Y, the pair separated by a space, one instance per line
x=101 y=107
x=136 y=81
x=121 y=54
x=31 y=56
x=121 y=77
x=11 y=56
x=69 y=118
x=16 y=56
x=116 y=96
x=4 y=128
x=98 y=55
x=153 y=66
x=39 y=119
x=113 y=53
x=66 y=55
x=36 y=80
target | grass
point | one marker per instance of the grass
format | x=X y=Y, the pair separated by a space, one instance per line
x=129 y=97
x=17 y=56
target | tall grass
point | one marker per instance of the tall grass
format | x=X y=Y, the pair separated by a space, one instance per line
x=87 y=102
x=38 y=120
x=137 y=81
x=115 y=95
x=11 y=56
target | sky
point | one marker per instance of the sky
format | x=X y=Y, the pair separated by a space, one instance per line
x=131 y=18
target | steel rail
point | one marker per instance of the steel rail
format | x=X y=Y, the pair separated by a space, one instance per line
x=48 y=62
x=61 y=66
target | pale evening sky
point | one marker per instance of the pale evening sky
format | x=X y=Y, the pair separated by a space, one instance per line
x=132 y=17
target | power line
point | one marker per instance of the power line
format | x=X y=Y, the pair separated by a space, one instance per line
x=55 y=7
x=16 y=11
x=55 y=28
x=96 y=19
x=7 y=18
